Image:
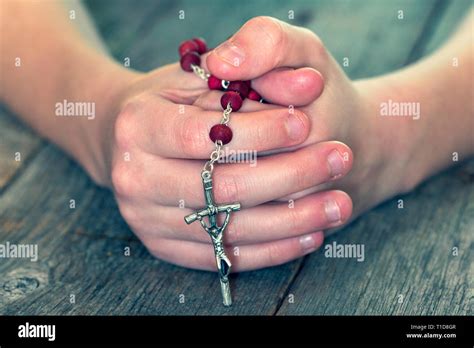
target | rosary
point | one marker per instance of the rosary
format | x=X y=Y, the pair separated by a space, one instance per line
x=220 y=134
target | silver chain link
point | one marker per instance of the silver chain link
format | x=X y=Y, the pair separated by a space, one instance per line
x=200 y=72
x=215 y=156
x=226 y=114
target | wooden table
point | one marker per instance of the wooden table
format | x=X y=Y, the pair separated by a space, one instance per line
x=409 y=267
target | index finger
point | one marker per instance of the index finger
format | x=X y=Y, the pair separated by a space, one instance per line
x=170 y=130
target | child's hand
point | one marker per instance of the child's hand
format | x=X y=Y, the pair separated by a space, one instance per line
x=270 y=49
x=158 y=148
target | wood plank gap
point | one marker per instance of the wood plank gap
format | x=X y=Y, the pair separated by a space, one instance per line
x=290 y=284
x=23 y=168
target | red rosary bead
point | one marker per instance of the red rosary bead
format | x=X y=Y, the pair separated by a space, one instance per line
x=221 y=132
x=240 y=87
x=233 y=98
x=237 y=91
x=201 y=43
x=188 y=59
x=254 y=96
x=214 y=83
x=188 y=46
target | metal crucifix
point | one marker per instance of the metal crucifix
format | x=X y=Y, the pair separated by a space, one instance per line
x=216 y=232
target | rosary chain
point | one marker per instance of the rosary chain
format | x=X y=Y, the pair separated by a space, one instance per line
x=200 y=72
x=226 y=114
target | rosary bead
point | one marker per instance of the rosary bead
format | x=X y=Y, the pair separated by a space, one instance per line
x=240 y=87
x=187 y=47
x=233 y=98
x=214 y=83
x=221 y=132
x=201 y=43
x=254 y=96
x=188 y=59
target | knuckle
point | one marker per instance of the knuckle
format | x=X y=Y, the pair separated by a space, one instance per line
x=123 y=180
x=187 y=192
x=230 y=188
x=233 y=232
x=274 y=33
x=123 y=128
x=293 y=220
x=271 y=27
x=318 y=45
x=129 y=213
x=302 y=174
x=275 y=254
x=263 y=136
x=192 y=136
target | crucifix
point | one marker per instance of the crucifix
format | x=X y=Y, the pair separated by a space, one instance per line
x=220 y=134
x=216 y=232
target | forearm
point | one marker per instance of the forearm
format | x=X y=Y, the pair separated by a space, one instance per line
x=441 y=84
x=445 y=86
x=47 y=58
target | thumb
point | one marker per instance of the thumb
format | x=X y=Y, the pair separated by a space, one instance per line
x=263 y=44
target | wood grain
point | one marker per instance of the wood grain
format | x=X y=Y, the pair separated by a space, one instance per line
x=18 y=144
x=411 y=266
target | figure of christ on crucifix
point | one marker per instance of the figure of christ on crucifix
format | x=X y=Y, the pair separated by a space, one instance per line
x=216 y=232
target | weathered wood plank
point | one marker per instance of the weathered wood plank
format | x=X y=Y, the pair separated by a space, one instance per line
x=18 y=144
x=409 y=252
x=82 y=250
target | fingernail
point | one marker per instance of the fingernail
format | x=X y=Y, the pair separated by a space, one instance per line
x=295 y=126
x=333 y=213
x=230 y=53
x=308 y=243
x=336 y=163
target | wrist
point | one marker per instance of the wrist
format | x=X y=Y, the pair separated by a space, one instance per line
x=93 y=147
x=396 y=151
